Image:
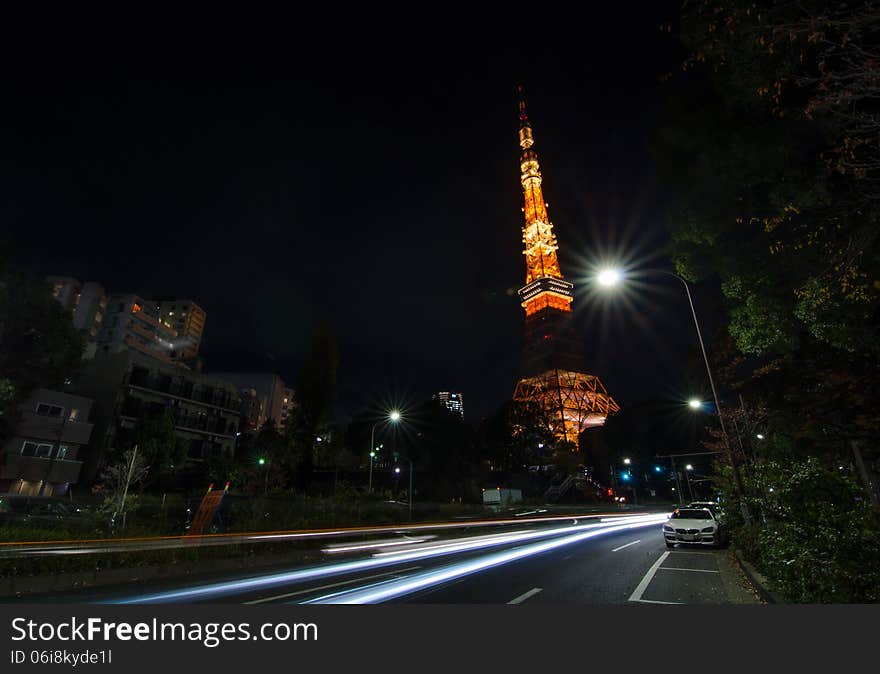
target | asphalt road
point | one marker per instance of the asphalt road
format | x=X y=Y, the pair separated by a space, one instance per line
x=580 y=562
x=630 y=566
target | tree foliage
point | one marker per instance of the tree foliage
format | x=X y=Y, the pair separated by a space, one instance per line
x=774 y=159
x=519 y=436
x=158 y=444
x=121 y=476
x=39 y=347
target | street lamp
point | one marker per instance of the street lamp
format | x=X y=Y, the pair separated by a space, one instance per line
x=394 y=417
x=611 y=277
x=695 y=403
x=687 y=473
x=628 y=477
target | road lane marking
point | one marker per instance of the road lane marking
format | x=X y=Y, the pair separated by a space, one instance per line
x=649 y=576
x=325 y=587
x=654 y=601
x=625 y=546
x=675 y=568
x=525 y=595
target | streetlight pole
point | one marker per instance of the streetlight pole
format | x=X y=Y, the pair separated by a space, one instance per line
x=611 y=277
x=677 y=481
x=394 y=417
x=632 y=480
x=372 y=454
x=687 y=473
x=734 y=464
x=410 y=486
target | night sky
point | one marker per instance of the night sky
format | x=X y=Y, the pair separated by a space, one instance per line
x=284 y=174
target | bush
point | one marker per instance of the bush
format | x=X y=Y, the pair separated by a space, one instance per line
x=817 y=539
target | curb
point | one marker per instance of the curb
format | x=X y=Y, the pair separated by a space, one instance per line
x=759 y=581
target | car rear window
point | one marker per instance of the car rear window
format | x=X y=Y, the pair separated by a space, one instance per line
x=691 y=515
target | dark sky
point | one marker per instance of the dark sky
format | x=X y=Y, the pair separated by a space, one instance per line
x=283 y=174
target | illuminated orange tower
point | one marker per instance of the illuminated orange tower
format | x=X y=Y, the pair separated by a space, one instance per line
x=554 y=367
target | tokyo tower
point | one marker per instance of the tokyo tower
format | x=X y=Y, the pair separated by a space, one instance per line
x=554 y=373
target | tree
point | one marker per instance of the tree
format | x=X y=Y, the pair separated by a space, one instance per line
x=159 y=445
x=778 y=171
x=118 y=478
x=442 y=448
x=518 y=436
x=39 y=347
x=771 y=155
x=313 y=416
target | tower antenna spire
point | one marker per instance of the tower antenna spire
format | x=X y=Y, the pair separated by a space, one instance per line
x=521 y=98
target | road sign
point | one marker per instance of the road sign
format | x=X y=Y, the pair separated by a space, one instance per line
x=207 y=510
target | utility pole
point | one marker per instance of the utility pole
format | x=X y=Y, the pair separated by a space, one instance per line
x=410 y=487
x=677 y=481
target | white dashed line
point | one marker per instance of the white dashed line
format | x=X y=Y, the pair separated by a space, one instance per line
x=625 y=546
x=525 y=595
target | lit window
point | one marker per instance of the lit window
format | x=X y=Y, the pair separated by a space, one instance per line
x=62 y=452
x=74 y=413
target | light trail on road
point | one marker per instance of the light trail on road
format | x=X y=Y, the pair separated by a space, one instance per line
x=12 y=549
x=426 y=551
x=420 y=581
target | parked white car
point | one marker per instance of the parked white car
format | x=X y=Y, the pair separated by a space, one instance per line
x=696 y=526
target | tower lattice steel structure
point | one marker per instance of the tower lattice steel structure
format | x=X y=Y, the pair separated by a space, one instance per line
x=554 y=367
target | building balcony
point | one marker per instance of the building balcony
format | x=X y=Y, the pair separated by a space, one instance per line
x=185 y=390
x=36 y=426
x=34 y=469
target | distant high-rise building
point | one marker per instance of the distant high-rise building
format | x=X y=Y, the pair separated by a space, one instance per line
x=287 y=404
x=188 y=320
x=87 y=302
x=131 y=322
x=454 y=402
x=268 y=387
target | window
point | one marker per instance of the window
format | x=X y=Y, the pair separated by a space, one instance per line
x=74 y=413
x=38 y=449
x=47 y=410
x=62 y=452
